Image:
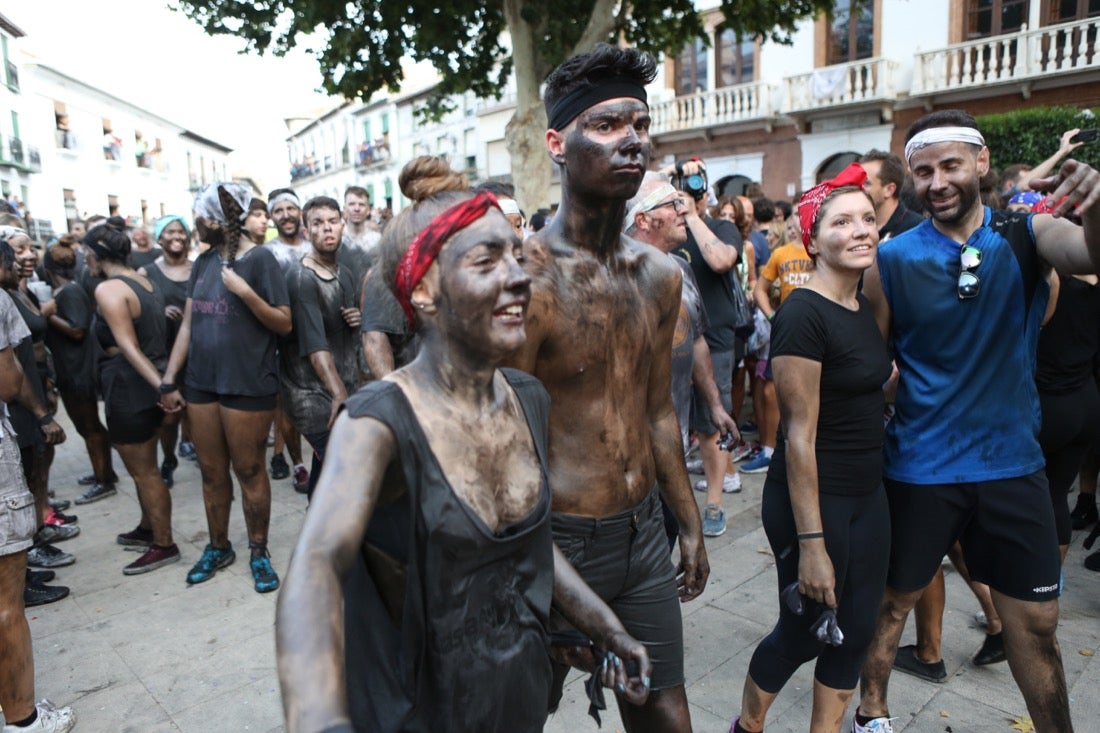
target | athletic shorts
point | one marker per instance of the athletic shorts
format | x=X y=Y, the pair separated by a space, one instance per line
x=625 y=559
x=1006 y=528
x=701 y=421
x=17 y=518
x=130 y=403
x=246 y=403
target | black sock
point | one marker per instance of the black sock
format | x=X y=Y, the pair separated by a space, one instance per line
x=27 y=721
x=737 y=727
x=865 y=719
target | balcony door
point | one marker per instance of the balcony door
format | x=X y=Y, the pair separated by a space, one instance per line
x=986 y=18
x=851 y=31
x=691 y=69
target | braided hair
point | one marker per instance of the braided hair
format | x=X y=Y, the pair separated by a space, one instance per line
x=231 y=230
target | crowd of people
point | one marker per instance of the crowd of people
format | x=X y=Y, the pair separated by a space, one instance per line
x=499 y=482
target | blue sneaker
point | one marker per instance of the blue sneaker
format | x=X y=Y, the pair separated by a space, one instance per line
x=263 y=575
x=757 y=465
x=213 y=559
x=714 y=521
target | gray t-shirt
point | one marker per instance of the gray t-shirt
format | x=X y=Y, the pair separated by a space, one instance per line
x=12 y=331
x=690 y=325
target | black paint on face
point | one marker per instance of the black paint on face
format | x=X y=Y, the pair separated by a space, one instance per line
x=288 y=219
x=325 y=229
x=608 y=150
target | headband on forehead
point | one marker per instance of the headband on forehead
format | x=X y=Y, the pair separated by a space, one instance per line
x=810 y=204
x=426 y=247
x=567 y=108
x=508 y=206
x=648 y=202
x=8 y=233
x=284 y=196
x=209 y=204
x=934 y=135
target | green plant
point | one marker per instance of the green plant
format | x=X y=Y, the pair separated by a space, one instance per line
x=1032 y=135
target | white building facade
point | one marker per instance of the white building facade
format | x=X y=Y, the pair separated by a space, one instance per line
x=20 y=161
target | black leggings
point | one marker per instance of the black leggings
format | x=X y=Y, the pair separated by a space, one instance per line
x=1071 y=425
x=857 y=538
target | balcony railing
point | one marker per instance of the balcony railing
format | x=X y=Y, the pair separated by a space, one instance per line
x=725 y=106
x=1054 y=49
x=34 y=159
x=856 y=82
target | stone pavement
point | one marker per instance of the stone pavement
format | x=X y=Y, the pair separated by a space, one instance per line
x=149 y=654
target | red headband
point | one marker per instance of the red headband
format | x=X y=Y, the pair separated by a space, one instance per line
x=425 y=248
x=810 y=203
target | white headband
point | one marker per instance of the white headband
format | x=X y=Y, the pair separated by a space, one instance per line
x=508 y=206
x=647 y=202
x=284 y=196
x=8 y=233
x=934 y=135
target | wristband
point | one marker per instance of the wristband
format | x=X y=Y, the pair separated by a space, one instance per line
x=166 y=388
x=771 y=315
x=45 y=419
x=810 y=536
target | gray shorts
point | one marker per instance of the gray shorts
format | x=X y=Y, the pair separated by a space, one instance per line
x=723 y=363
x=625 y=559
x=17 y=517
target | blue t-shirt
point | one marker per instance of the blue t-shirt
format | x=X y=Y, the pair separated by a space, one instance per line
x=967 y=405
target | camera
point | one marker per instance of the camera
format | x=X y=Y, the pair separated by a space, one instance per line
x=694 y=184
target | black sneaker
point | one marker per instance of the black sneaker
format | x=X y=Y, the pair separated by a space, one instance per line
x=60 y=505
x=46 y=555
x=56 y=532
x=96 y=492
x=137 y=537
x=279 y=467
x=38 y=595
x=38 y=577
x=90 y=479
x=1084 y=513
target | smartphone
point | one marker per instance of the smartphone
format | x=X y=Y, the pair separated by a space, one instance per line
x=1086 y=136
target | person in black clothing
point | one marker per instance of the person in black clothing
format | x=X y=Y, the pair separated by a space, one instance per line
x=824 y=507
x=129 y=328
x=885 y=180
x=429 y=534
x=236 y=306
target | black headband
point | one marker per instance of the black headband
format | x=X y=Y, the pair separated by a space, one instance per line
x=568 y=107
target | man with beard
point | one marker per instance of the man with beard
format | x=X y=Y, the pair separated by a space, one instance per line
x=960 y=298
x=600 y=329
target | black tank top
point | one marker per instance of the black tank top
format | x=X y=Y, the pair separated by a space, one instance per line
x=172 y=291
x=149 y=326
x=1069 y=342
x=35 y=321
x=464 y=647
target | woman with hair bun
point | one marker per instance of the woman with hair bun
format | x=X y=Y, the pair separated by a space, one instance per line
x=426 y=569
x=130 y=332
x=236 y=305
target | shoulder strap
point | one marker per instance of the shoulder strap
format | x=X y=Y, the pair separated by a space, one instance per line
x=1015 y=228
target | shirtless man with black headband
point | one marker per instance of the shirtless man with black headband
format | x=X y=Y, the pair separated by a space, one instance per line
x=599 y=336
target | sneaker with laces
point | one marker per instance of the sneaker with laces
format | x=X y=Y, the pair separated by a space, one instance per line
x=263 y=575
x=714 y=521
x=741 y=451
x=213 y=559
x=187 y=452
x=136 y=537
x=279 y=468
x=56 y=517
x=731 y=484
x=51 y=719
x=153 y=558
x=60 y=504
x=38 y=577
x=874 y=725
x=695 y=465
x=301 y=479
x=45 y=555
x=757 y=465
x=39 y=594
x=56 y=532
x=90 y=479
x=95 y=492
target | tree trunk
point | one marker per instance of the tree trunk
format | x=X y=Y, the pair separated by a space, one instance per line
x=526 y=131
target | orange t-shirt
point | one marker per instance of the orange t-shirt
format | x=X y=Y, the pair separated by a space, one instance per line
x=790 y=265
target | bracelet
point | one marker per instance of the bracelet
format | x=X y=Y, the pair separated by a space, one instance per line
x=810 y=536
x=166 y=388
x=45 y=419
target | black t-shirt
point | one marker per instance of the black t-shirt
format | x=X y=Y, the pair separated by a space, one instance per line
x=854 y=366
x=74 y=361
x=172 y=292
x=231 y=352
x=903 y=219
x=142 y=259
x=1070 y=340
x=381 y=312
x=716 y=288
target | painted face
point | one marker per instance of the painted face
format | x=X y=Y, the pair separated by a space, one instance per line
x=356 y=208
x=255 y=225
x=26 y=256
x=847 y=235
x=483 y=289
x=947 y=179
x=607 y=150
x=174 y=239
x=325 y=229
x=666 y=221
x=873 y=185
x=287 y=218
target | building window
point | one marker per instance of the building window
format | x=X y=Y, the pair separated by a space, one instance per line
x=851 y=31
x=736 y=58
x=985 y=18
x=71 y=211
x=112 y=205
x=112 y=143
x=1062 y=11
x=691 y=69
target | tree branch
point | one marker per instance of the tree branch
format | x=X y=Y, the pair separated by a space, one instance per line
x=600 y=24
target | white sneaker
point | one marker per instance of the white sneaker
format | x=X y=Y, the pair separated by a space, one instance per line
x=50 y=720
x=731 y=484
x=875 y=725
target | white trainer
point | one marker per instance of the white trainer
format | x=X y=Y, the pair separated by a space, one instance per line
x=875 y=725
x=50 y=720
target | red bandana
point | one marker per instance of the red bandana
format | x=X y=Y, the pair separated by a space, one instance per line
x=810 y=203
x=427 y=245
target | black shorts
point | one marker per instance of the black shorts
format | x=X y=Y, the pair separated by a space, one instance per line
x=130 y=403
x=247 y=403
x=625 y=559
x=1006 y=528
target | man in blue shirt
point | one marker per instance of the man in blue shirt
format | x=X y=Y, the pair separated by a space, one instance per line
x=960 y=298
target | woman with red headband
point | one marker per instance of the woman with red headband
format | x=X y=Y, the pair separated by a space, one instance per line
x=824 y=508
x=425 y=570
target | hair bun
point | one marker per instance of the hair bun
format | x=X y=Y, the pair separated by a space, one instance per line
x=427 y=176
